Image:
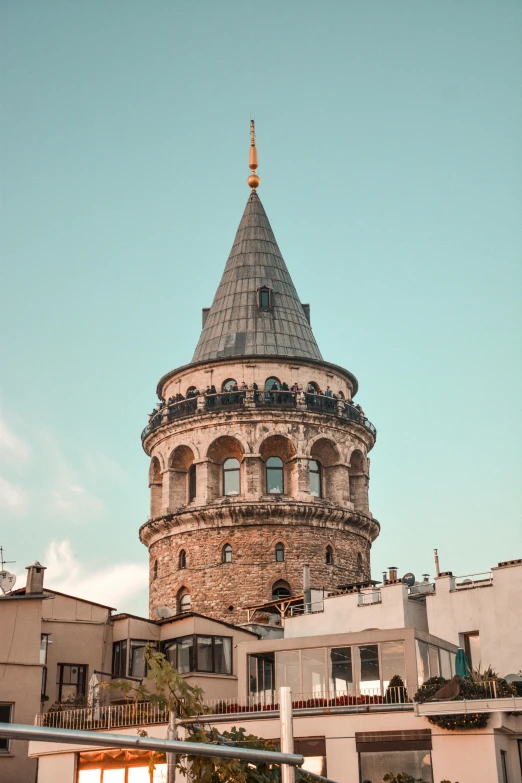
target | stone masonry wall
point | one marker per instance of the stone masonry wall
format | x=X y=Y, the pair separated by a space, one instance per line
x=224 y=590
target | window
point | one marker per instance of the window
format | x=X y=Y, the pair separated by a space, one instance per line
x=313 y=671
x=280 y=553
x=423 y=661
x=472 y=648
x=226 y=554
x=182 y=560
x=229 y=384
x=417 y=763
x=155 y=570
x=280 y=589
x=137 y=663
x=71 y=679
x=274 y=476
x=370 y=680
x=231 y=477
x=192 y=486
x=314 y=469
x=121 y=766
x=341 y=667
x=359 y=563
x=212 y=654
x=272 y=384
x=329 y=555
x=504 y=765
x=288 y=670
x=445 y=664
x=119 y=659
x=185 y=603
x=6 y=716
x=264 y=298
x=392 y=661
x=44 y=647
x=261 y=676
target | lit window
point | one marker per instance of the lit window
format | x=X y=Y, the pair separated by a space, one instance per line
x=329 y=555
x=184 y=603
x=231 y=477
x=192 y=483
x=314 y=469
x=274 y=476
x=226 y=554
x=280 y=553
x=182 y=559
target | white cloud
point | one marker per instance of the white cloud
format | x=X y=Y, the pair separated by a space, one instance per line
x=114 y=585
x=11 y=445
x=12 y=497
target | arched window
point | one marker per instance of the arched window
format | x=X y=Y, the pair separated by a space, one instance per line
x=274 y=476
x=192 y=483
x=312 y=388
x=226 y=554
x=228 y=385
x=190 y=391
x=314 y=469
x=184 y=603
x=272 y=384
x=280 y=589
x=231 y=476
x=329 y=555
x=340 y=394
x=280 y=553
x=182 y=559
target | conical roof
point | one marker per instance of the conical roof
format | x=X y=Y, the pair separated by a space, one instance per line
x=235 y=324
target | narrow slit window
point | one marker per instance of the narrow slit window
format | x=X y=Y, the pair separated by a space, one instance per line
x=265 y=298
x=314 y=469
x=280 y=553
x=226 y=555
x=192 y=483
x=182 y=559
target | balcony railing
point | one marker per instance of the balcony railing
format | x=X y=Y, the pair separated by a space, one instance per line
x=95 y=718
x=473 y=580
x=267 y=701
x=210 y=403
x=313 y=608
x=369 y=598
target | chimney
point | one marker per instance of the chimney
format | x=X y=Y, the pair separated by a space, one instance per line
x=35 y=578
x=393 y=574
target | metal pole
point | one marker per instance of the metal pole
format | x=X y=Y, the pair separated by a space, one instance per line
x=108 y=740
x=437 y=567
x=172 y=734
x=287 y=733
x=307 y=593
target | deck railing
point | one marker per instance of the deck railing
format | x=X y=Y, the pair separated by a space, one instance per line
x=94 y=718
x=277 y=398
x=473 y=580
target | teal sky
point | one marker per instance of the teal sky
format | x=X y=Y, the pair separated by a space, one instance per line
x=391 y=171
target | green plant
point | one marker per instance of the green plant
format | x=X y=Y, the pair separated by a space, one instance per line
x=171 y=692
x=396 y=693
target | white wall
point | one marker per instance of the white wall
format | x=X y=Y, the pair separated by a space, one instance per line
x=495 y=611
x=343 y=614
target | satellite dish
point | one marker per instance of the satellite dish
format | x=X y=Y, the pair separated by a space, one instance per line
x=408 y=579
x=163 y=612
x=7 y=581
x=467 y=582
x=513 y=678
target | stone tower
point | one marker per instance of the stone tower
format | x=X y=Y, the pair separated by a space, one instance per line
x=251 y=481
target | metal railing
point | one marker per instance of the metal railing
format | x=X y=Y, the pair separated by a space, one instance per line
x=267 y=701
x=275 y=399
x=115 y=716
x=313 y=608
x=261 y=399
x=473 y=580
x=369 y=598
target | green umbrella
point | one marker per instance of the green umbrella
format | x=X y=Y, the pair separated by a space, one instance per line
x=461 y=663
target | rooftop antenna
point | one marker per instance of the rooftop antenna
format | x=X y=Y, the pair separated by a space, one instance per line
x=7 y=580
x=437 y=567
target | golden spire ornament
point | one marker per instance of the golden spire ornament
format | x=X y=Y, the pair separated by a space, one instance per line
x=253 y=180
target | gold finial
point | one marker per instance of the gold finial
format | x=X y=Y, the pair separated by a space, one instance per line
x=253 y=180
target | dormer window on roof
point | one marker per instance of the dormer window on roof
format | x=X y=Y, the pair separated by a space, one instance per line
x=265 y=298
